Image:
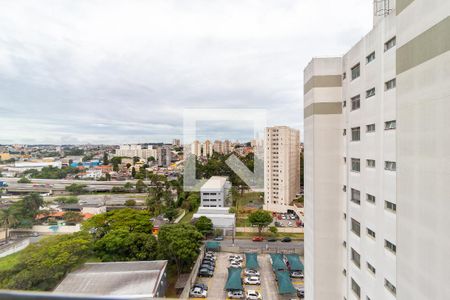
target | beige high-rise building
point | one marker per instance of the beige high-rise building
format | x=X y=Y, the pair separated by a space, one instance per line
x=281 y=167
x=218 y=146
x=376 y=160
x=227 y=149
x=207 y=148
x=196 y=148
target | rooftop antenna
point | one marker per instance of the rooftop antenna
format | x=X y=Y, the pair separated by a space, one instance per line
x=381 y=7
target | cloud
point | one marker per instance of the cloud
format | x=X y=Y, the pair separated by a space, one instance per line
x=123 y=71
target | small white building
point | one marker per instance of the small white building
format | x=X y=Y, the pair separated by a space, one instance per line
x=214 y=192
x=220 y=217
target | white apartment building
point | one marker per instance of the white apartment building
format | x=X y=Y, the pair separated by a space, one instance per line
x=281 y=167
x=164 y=155
x=377 y=138
x=214 y=192
x=136 y=150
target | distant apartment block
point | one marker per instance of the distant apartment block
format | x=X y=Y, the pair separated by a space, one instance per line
x=164 y=155
x=207 y=149
x=136 y=150
x=281 y=167
x=376 y=139
x=196 y=148
x=176 y=142
x=214 y=192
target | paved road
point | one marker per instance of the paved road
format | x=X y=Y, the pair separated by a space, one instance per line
x=246 y=243
x=70 y=181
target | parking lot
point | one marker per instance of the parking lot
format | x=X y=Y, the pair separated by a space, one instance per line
x=268 y=287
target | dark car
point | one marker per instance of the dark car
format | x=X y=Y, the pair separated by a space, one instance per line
x=201 y=285
x=286 y=239
x=205 y=273
x=272 y=239
x=206 y=266
x=209 y=263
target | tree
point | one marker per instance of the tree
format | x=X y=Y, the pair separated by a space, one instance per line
x=24 y=180
x=151 y=159
x=128 y=186
x=135 y=159
x=33 y=202
x=73 y=217
x=204 y=225
x=130 y=202
x=171 y=214
x=260 y=218
x=133 y=172
x=180 y=243
x=194 y=201
x=273 y=230
x=76 y=188
x=66 y=200
x=140 y=186
x=105 y=159
x=8 y=220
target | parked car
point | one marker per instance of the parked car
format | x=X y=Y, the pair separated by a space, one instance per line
x=286 y=239
x=209 y=263
x=253 y=295
x=198 y=292
x=235 y=264
x=218 y=238
x=283 y=217
x=251 y=272
x=236 y=294
x=257 y=239
x=272 y=239
x=206 y=266
x=254 y=280
x=301 y=292
x=205 y=273
x=296 y=274
x=210 y=257
x=201 y=285
x=237 y=258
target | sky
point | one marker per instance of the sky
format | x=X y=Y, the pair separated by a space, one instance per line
x=111 y=72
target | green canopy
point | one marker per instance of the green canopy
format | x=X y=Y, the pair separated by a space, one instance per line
x=277 y=261
x=251 y=261
x=294 y=262
x=284 y=283
x=212 y=245
x=234 y=282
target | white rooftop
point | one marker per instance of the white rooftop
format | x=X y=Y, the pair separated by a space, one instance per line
x=214 y=183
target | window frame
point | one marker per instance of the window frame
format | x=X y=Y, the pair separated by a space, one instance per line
x=354 y=68
x=356 y=102
x=370 y=58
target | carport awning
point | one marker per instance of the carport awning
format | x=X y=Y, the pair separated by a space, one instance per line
x=277 y=261
x=251 y=261
x=234 y=282
x=294 y=262
x=284 y=283
x=212 y=245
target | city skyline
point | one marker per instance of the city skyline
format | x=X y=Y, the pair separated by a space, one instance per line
x=73 y=76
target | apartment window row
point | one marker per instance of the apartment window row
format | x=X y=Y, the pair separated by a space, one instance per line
x=390 y=246
x=356 y=227
x=356 y=131
x=355 y=257
x=390 y=206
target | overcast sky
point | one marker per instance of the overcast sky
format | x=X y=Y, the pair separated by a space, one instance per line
x=123 y=71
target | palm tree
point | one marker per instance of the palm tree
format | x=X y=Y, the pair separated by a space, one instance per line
x=8 y=220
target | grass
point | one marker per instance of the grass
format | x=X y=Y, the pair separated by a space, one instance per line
x=9 y=261
x=250 y=197
x=187 y=217
x=294 y=236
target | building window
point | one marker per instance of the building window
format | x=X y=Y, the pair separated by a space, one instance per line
x=344 y=103
x=371 y=268
x=390 y=206
x=370 y=163
x=356 y=72
x=344 y=272
x=356 y=227
x=389 y=44
x=344 y=243
x=390 y=287
x=370 y=198
x=356 y=164
x=344 y=75
x=370 y=57
x=356 y=103
x=388 y=85
x=356 y=134
x=356 y=258
x=356 y=289
x=390 y=165
x=344 y=132
x=344 y=188
x=371 y=233
x=390 y=246
x=370 y=93
x=370 y=128
x=389 y=125
x=356 y=196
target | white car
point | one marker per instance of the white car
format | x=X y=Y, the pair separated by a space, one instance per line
x=250 y=272
x=254 y=280
x=253 y=295
x=237 y=258
x=235 y=264
x=198 y=292
x=283 y=217
x=290 y=224
x=236 y=295
x=296 y=274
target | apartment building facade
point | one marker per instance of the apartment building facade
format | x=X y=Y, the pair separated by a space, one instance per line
x=375 y=138
x=136 y=150
x=281 y=167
